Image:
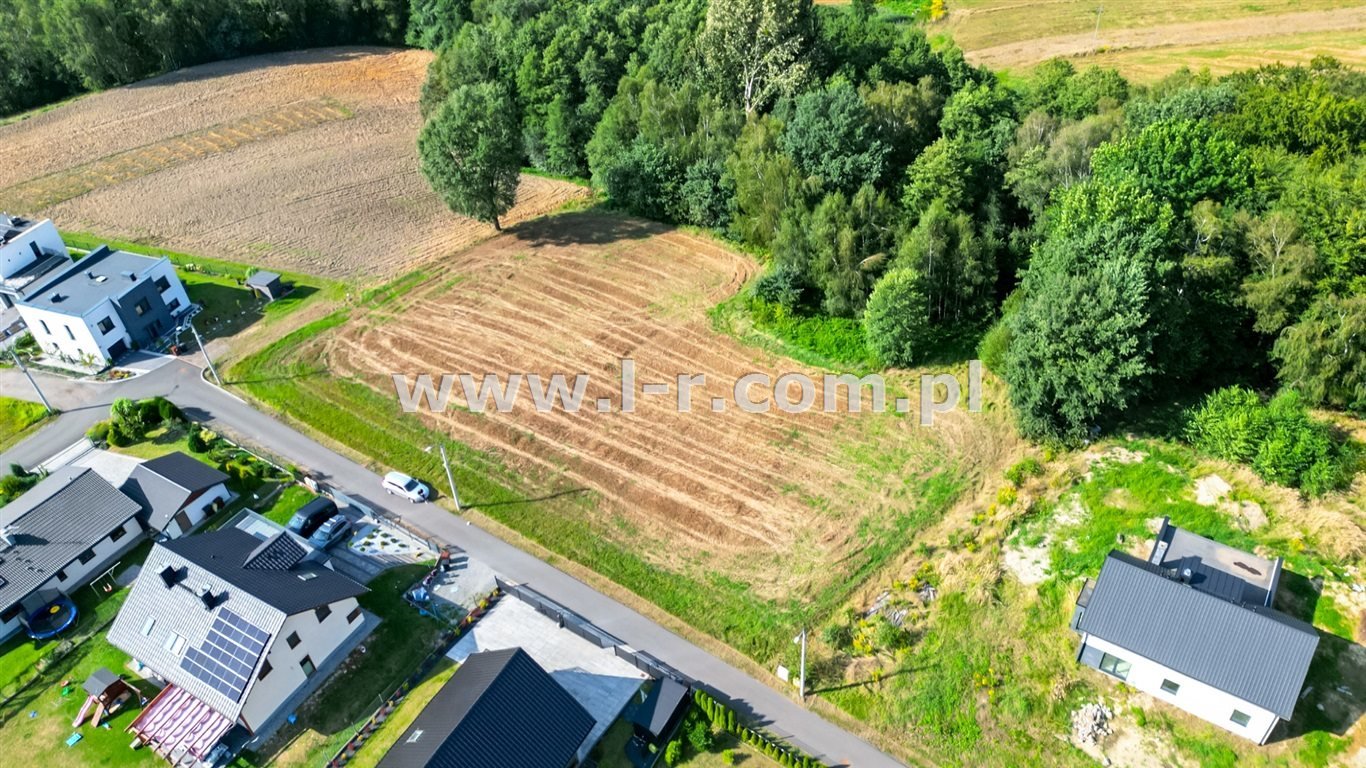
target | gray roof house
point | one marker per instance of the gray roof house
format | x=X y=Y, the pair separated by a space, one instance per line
x=178 y=489
x=103 y=306
x=57 y=536
x=499 y=710
x=1193 y=625
x=237 y=626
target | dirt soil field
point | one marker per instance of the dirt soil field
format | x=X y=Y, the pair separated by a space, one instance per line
x=302 y=161
x=773 y=500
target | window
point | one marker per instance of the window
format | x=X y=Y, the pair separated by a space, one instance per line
x=293 y=640
x=86 y=556
x=148 y=625
x=141 y=307
x=265 y=670
x=163 y=284
x=306 y=664
x=106 y=325
x=70 y=333
x=117 y=534
x=1170 y=687
x=1115 y=666
x=14 y=612
x=353 y=615
x=174 y=643
x=1241 y=718
x=174 y=305
x=46 y=330
x=323 y=612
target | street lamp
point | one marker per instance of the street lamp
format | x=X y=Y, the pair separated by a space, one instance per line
x=801 y=675
x=445 y=462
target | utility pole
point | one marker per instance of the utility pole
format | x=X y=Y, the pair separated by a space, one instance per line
x=205 y=350
x=445 y=462
x=31 y=380
x=1099 y=10
x=801 y=673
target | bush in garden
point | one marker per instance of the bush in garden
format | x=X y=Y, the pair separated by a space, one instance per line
x=197 y=442
x=99 y=432
x=129 y=421
x=673 y=753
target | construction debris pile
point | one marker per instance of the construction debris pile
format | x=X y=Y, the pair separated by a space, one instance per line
x=1091 y=723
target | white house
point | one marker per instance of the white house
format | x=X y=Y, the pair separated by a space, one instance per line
x=95 y=310
x=29 y=250
x=177 y=492
x=1193 y=626
x=56 y=537
x=238 y=627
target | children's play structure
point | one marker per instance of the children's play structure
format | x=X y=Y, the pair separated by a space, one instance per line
x=107 y=694
x=53 y=617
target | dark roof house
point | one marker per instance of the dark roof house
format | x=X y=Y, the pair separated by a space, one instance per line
x=53 y=524
x=499 y=710
x=168 y=484
x=224 y=581
x=658 y=716
x=1200 y=610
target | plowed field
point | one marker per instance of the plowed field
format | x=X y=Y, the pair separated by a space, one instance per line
x=302 y=161
x=782 y=502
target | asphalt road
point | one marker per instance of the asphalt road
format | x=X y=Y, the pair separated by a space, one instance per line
x=82 y=404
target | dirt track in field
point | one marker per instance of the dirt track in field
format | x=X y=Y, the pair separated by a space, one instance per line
x=1196 y=33
x=776 y=500
x=302 y=161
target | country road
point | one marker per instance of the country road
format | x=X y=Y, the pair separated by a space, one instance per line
x=82 y=404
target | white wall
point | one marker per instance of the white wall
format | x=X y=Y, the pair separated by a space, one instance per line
x=317 y=641
x=1195 y=697
x=198 y=509
x=17 y=254
x=77 y=575
x=50 y=330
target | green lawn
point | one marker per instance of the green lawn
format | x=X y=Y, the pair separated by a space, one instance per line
x=412 y=705
x=37 y=722
x=284 y=504
x=216 y=284
x=16 y=417
x=393 y=651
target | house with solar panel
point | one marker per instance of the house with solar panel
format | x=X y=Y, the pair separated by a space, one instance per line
x=240 y=628
x=1193 y=625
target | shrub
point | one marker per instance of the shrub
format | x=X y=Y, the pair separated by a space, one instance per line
x=18 y=470
x=118 y=437
x=1023 y=470
x=896 y=320
x=129 y=421
x=673 y=753
x=728 y=757
x=150 y=411
x=1278 y=439
x=699 y=735
x=99 y=432
x=782 y=285
x=197 y=442
x=169 y=411
x=991 y=350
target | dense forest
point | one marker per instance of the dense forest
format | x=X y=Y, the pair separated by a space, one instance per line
x=1112 y=246
x=52 y=49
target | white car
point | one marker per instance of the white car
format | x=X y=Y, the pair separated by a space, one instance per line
x=400 y=484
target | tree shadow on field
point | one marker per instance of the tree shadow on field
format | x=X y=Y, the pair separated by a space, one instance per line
x=261 y=62
x=596 y=227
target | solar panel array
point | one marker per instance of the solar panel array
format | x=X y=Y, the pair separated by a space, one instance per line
x=225 y=660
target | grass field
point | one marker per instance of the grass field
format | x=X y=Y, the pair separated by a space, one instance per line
x=1146 y=40
x=301 y=162
x=16 y=418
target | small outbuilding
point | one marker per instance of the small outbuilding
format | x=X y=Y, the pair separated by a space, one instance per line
x=657 y=717
x=107 y=693
x=267 y=284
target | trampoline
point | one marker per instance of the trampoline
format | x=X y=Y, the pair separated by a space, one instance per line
x=52 y=619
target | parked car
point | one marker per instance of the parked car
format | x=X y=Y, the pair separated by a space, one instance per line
x=334 y=530
x=400 y=484
x=312 y=515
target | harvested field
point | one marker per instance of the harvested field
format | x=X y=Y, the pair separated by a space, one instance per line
x=301 y=161
x=784 y=503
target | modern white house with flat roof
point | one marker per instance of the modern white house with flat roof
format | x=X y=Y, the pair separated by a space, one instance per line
x=1193 y=625
x=93 y=311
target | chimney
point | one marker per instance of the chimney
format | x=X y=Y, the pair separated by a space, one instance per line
x=207 y=597
x=169 y=576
